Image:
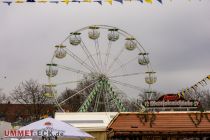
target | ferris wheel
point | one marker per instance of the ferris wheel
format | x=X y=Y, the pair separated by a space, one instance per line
x=112 y=61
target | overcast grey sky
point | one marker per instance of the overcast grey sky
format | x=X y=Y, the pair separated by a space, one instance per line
x=176 y=34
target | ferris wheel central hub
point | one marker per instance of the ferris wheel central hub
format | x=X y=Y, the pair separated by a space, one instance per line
x=102 y=77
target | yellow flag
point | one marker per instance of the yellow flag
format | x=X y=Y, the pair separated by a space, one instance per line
x=66 y=2
x=42 y=1
x=208 y=77
x=179 y=95
x=109 y=1
x=148 y=1
x=19 y=1
x=87 y=0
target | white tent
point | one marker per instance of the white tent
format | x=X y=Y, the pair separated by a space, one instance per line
x=51 y=128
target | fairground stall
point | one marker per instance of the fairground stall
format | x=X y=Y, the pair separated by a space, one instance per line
x=160 y=126
x=94 y=123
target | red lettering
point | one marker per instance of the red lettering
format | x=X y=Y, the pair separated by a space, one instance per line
x=20 y=133
x=6 y=133
x=12 y=132
x=170 y=98
x=27 y=132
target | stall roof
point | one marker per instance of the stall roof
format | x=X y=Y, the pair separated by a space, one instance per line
x=87 y=121
x=163 y=122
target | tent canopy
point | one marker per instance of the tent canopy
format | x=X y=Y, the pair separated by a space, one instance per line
x=50 y=127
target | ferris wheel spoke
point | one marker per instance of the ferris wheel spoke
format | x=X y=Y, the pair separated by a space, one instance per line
x=127 y=97
x=115 y=59
x=125 y=75
x=98 y=53
x=72 y=69
x=79 y=92
x=79 y=60
x=127 y=85
x=89 y=56
x=123 y=65
x=107 y=55
x=67 y=82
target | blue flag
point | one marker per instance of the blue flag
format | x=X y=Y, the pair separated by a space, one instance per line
x=7 y=2
x=100 y=2
x=30 y=1
x=160 y=1
x=121 y=1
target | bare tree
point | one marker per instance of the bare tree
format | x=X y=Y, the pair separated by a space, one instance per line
x=3 y=98
x=201 y=95
x=31 y=94
x=72 y=104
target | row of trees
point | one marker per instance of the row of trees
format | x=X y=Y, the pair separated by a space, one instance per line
x=31 y=92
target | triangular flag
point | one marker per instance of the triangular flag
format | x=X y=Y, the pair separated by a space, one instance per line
x=109 y=1
x=148 y=1
x=76 y=1
x=54 y=1
x=204 y=81
x=121 y=1
x=19 y=1
x=179 y=95
x=30 y=1
x=8 y=2
x=100 y=2
x=66 y=2
x=42 y=1
x=160 y=1
x=183 y=92
x=87 y=0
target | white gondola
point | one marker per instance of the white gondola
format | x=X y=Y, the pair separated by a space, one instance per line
x=75 y=39
x=143 y=59
x=130 y=44
x=150 y=78
x=49 y=90
x=60 y=52
x=113 y=35
x=51 y=70
x=93 y=33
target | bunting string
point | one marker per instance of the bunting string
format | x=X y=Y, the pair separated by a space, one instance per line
x=194 y=88
x=9 y=2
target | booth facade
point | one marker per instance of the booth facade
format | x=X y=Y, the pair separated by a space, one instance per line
x=94 y=123
x=160 y=126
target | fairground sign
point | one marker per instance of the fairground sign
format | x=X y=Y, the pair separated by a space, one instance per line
x=47 y=132
x=172 y=101
x=44 y=132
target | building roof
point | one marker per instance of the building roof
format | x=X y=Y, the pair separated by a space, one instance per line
x=12 y=112
x=163 y=122
x=87 y=121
